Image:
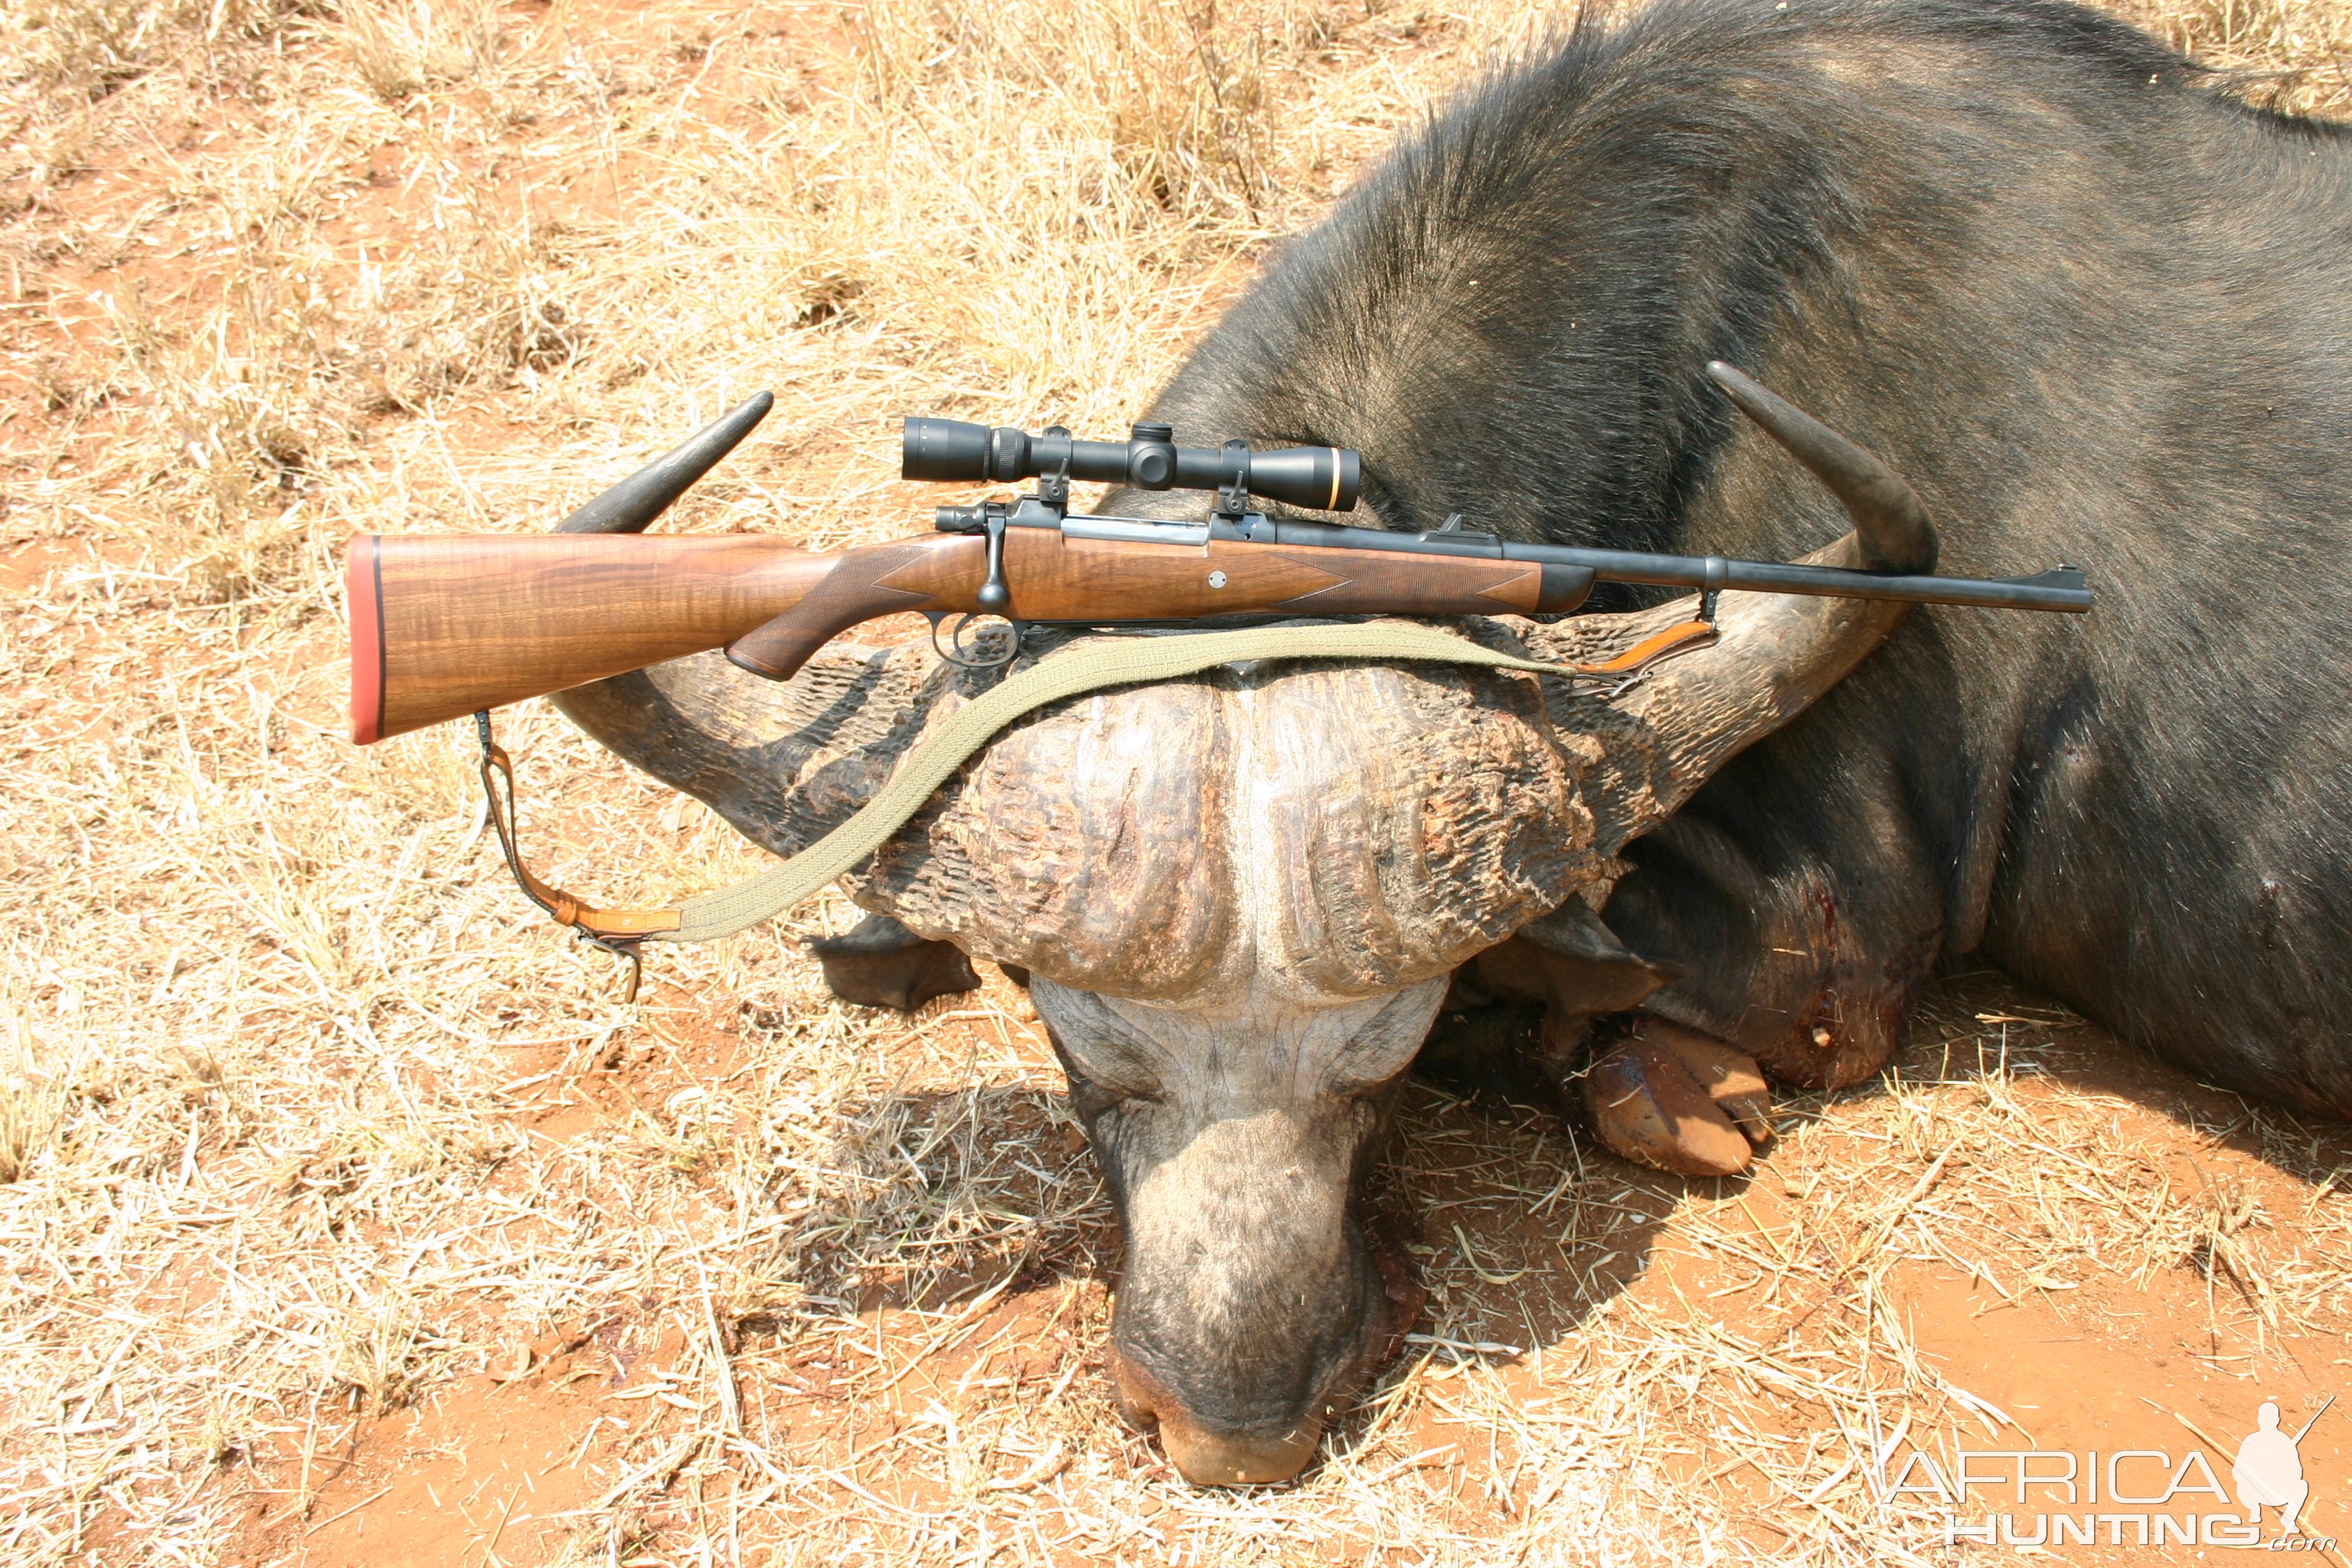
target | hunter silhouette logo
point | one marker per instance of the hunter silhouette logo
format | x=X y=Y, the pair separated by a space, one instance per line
x=2126 y=1496
x=2269 y=1468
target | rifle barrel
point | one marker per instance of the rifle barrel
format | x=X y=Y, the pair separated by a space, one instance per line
x=2061 y=589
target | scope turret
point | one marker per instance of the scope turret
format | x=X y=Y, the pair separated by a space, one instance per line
x=1322 y=478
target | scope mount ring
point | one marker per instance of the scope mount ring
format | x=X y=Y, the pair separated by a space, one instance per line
x=1232 y=485
x=1054 y=481
x=963 y=637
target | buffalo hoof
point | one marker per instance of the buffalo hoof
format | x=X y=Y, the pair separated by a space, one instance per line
x=881 y=964
x=1676 y=1099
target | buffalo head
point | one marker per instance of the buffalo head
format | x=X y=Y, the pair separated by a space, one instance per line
x=1240 y=897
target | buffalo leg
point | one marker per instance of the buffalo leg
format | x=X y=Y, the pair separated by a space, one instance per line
x=881 y=964
x=1671 y=1097
x=1663 y=1096
x=1518 y=1020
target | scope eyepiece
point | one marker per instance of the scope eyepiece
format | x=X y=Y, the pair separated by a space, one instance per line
x=1320 y=478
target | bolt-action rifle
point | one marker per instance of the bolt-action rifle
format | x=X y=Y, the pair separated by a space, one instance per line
x=446 y=626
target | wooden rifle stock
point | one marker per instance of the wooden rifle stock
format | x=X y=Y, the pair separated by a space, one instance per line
x=443 y=625
x=1054 y=576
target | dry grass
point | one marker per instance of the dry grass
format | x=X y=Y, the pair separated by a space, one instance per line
x=330 y=1180
x=2290 y=54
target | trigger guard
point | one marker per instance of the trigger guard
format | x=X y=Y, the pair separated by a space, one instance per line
x=954 y=648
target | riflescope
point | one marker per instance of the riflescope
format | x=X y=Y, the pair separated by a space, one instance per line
x=1322 y=478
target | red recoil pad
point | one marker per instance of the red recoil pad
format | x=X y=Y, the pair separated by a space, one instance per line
x=363 y=596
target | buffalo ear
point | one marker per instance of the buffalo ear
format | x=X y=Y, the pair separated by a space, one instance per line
x=1572 y=962
x=881 y=964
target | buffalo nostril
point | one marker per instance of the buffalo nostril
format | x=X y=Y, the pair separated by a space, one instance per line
x=1132 y=1395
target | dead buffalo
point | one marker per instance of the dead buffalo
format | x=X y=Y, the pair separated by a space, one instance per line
x=2093 y=308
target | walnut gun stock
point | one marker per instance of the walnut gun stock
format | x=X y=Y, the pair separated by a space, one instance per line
x=1107 y=571
x=443 y=625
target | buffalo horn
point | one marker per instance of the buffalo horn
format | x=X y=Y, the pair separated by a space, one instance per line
x=1888 y=521
x=645 y=495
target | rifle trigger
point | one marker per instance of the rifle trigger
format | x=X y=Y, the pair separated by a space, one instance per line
x=958 y=648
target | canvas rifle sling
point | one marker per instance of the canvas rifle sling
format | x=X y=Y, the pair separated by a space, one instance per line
x=1089 y=667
